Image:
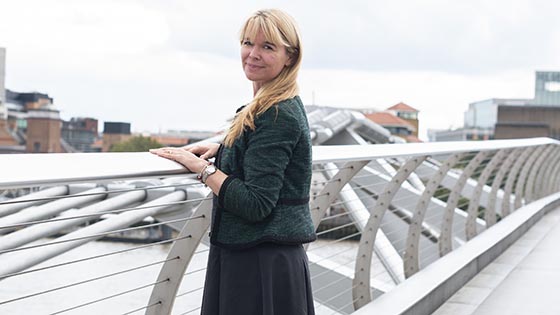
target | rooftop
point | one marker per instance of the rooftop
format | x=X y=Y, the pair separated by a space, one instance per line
x=388 y=119
x=402 y=107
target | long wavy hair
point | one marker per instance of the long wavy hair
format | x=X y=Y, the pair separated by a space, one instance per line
x=280 y=29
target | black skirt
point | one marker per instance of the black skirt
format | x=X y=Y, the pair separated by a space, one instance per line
x=268 y=279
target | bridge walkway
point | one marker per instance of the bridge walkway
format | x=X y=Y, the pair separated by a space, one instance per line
x=525 y=279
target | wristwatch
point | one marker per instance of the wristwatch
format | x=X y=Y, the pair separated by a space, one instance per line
x=207 y=171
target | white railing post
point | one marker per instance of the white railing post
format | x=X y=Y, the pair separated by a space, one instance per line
x=490 y=214
x=171 y=274
x=512 y=176
x=361 y=291
x=474 y=202
x=522 y=179
x=411 y=256
x=445 y=243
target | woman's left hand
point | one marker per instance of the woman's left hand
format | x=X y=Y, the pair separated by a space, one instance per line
x=192 y=162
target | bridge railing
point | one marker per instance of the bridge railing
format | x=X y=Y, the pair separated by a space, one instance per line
x=383 y=213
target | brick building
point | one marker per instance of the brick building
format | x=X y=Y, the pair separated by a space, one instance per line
x=527 y=122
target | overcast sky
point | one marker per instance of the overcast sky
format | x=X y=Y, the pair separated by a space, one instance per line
x=174 y=64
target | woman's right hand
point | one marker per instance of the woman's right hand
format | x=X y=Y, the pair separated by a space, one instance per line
x=204 y=150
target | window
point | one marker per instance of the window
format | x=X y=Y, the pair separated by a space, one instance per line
x=552 y=86
x=407 y=115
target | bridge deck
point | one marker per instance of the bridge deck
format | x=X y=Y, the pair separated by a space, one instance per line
x=525 y=279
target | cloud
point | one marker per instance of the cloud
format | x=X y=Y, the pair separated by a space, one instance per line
x=474 y=37
x=174 y=64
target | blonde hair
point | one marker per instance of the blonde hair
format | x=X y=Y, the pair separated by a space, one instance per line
x=280 y=29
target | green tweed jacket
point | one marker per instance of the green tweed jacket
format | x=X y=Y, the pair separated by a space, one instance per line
x=265 y=197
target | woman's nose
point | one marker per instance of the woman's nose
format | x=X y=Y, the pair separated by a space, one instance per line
x=255 y=53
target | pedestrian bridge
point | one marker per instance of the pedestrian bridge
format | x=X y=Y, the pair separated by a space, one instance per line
x=404 y=228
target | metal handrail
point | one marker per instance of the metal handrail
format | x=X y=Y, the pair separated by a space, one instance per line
x=64 y=168
x=349 y=176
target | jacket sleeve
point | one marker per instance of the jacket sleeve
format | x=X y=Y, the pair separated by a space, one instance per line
x=269 y=150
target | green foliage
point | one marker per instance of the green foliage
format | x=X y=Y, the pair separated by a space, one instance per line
x=136 y=144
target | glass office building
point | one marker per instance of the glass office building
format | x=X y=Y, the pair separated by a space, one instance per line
x=547 y=89
x=484 y=114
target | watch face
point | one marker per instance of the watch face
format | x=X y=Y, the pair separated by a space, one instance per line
x=211 y=169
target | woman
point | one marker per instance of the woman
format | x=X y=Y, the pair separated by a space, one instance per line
x=261 y=181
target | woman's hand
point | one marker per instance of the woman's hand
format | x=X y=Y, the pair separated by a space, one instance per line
x=204 y=150
x=181 y=155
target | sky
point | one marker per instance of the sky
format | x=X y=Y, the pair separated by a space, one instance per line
x=175 y=65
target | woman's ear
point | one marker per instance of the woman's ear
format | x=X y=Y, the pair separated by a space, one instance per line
x=292 y=57
x=290 y=60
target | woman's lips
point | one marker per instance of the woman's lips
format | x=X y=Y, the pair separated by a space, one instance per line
x=253 y=67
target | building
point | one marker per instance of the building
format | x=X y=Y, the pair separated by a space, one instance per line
x=7 y=140
x=176 y=138
x=547 y=89
x=394 y=124
x=528 y=122
x=461 y=134
x=484 y=116
x=115 y=132
x=540 y=117
x=43 y=131
x=28 y=121
x=3 y=110
x=36 y=109
x=407 y=113
x=80 y=133
x=401 y=120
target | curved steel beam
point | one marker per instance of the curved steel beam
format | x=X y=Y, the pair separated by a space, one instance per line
x=445 y=244
x=38 y=231
x=361 y=291
x=490 y=213
x=358 y=212
x=51 y=209
x=512 y=176
x=323 y=200
x=472 y=210
x=554 y=177
x=18 y=261
x=36 y=198
x=536 y=172
x=171 y=274
x=543 y=181
x=412 y=251
x=519 y=186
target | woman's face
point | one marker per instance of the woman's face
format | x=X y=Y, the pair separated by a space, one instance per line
x=262 y=61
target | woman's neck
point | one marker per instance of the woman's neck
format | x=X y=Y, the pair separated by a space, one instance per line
x=256 y=87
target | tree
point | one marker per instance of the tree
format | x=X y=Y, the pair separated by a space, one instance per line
x=136 y=144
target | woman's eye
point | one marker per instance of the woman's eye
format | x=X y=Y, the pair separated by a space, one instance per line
x=268 y=47
x=247 y=43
